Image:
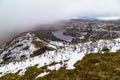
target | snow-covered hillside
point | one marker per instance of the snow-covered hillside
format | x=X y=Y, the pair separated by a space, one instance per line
x=64 y=53
x=20 y=47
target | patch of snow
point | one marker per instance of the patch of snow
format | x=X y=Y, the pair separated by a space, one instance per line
x=22 y=72
x=74 y=59
x=56 y=43
x=42 y=74
x=52 y=46
x=54 y=67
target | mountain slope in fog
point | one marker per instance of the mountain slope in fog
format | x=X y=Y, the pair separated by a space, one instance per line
x=45 y=54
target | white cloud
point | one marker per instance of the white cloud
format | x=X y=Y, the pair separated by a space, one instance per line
x=22 y=14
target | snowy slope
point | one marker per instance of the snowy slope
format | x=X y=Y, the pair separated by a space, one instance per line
x=66 y=53
x=20 y=46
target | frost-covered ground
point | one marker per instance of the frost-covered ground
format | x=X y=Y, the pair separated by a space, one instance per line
x=66 y=53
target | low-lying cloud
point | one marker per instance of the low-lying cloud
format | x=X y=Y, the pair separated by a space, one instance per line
x=21 y=15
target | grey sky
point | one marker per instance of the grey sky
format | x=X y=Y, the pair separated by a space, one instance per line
x=19 y=15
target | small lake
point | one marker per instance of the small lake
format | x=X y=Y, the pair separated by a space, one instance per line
x=61 y=36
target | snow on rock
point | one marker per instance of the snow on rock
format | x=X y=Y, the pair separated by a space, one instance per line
x=69 y=54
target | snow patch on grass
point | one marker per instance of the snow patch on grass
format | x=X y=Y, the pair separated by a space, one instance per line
x=69 y=54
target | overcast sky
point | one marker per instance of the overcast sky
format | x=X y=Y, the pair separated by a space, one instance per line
x=18 y=15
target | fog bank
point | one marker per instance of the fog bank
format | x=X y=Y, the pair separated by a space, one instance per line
x=22 y=15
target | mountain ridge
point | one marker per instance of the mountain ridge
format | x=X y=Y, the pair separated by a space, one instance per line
x=30 y=50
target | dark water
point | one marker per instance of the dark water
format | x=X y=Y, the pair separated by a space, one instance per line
x=61 y=36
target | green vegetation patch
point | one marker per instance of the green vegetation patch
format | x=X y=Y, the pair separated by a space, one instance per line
x=93 y=66
x=38 y=44
x=30 y=74
x=42 y=48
